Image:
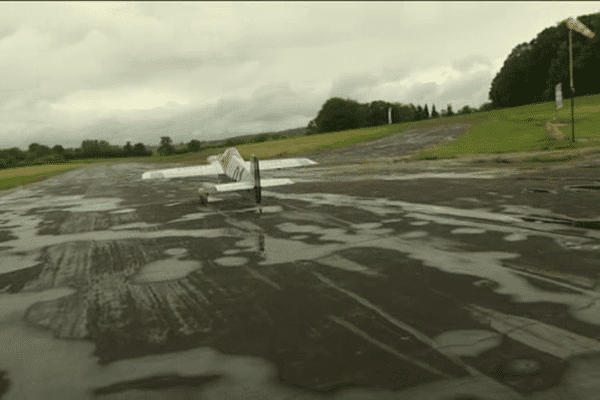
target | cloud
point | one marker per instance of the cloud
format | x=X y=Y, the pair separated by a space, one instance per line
x=147 y=69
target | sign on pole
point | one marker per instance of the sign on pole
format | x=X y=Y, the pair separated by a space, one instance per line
x=573 y=23
x=389 y=115
x=559 y=98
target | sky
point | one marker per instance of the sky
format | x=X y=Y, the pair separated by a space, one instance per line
x=136 y=71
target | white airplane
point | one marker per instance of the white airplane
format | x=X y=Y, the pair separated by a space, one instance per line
x=246 y=174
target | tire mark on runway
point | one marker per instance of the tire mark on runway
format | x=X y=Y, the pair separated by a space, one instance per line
x=352 y=328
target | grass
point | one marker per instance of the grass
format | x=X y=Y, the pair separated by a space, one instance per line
x=521 y=129
x=13 y=177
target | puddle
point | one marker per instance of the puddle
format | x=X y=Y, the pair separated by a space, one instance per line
x=133 y=225
x=538 y=335
x=166 y=270
x=515 y=237
x=413 y=235
x=232 y=261
x=15 y=261
x=468 y=231
x=337 y=261
x=420 y=223
x=123 y=211
x=584 y=305
x=468 y=343
x=177 y=251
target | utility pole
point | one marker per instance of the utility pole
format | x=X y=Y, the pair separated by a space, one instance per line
x=574 y=24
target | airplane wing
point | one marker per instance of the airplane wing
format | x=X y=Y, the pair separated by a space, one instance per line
x=282 y=163
x=235 y=186
x=212 y=169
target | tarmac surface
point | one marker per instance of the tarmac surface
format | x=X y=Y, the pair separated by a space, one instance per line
x=379 y=280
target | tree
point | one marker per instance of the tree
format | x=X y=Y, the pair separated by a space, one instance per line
x=434 y=113
x=377 y=113
x=465 y=110
x=426 y=112
x=402 y=113
x=128 y=149
x=58 y=149
x=194 y=146
x=166 y=148
x=531 y=70
x=38 y=150
x=486 y=107
x=449 y=111
x=312 y=128
x=140 y=150
x=341 y=114
x=420 y=115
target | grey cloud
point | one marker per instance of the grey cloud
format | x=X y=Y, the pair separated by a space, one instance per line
x=354 y=86
x=421 y=93
x=471 y=90
x=467 y=63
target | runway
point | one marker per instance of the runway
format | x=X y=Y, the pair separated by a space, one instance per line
x=358 y=282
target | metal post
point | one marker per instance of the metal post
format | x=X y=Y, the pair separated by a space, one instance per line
x=572 y=87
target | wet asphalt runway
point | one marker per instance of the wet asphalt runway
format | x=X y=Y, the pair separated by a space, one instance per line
x=457 y=283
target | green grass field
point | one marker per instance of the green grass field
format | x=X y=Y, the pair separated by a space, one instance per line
x=521 y=129
x=13 y=177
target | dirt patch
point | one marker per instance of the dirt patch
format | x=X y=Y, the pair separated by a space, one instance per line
x=554 y=131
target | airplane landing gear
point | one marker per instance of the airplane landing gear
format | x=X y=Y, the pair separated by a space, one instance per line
x=203 y=197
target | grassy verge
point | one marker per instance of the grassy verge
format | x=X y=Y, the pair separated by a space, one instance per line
x=13 y=177
x=521 y=129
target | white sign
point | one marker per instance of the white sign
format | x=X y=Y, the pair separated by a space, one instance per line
x=573 y=23
x=559 y=99
x=390 y=116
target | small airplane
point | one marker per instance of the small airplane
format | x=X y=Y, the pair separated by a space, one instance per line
x=244 y=174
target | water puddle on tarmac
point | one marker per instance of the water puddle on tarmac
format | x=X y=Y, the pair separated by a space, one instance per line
x=169 y=269
x=584 y=305
x=68 y=369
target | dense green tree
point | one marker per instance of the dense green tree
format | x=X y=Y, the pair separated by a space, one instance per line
x=140 y=150
x=377 y=113
x=420 y=114
x=434 y=113
x=402 y=113
x=486 y=106
x=449 y=111
x=426 y=112
x=38 y=150
x=339 y=114
x=128 y=149
x=194 y=146
x=58 y=149
x=465 y=110
x=312 y=128
x=166 y=147
x=532 y=70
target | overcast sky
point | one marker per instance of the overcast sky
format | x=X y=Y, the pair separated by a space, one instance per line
x=135 y=71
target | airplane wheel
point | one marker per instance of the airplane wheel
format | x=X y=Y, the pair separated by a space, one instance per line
x=203 y=197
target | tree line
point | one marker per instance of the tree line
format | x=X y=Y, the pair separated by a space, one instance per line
x=39 y=154
x=339 y=114
x=533 y=69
